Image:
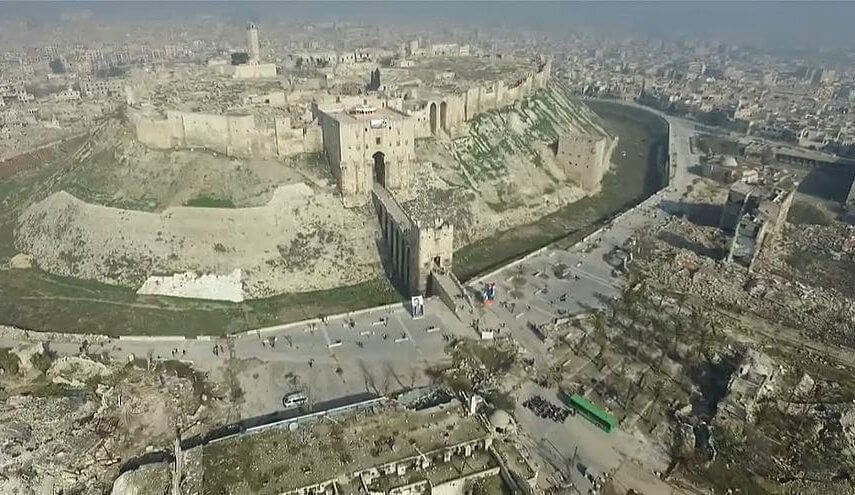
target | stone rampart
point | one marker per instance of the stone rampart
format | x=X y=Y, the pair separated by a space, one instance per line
x=446 y=111
x=232 y=135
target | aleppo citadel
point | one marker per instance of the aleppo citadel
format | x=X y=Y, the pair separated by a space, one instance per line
x=369 y=160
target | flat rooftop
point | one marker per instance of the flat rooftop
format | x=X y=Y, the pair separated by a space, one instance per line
x=277 y=460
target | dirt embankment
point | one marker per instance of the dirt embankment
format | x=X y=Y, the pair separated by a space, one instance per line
x=501 y=170
x=300 y=241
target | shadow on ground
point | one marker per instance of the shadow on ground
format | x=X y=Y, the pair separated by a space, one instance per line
x=830 y=182
x=702 y=214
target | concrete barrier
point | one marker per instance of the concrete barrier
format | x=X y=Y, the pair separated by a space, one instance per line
x=316 y=321
x=152 y=338
x=512 y=264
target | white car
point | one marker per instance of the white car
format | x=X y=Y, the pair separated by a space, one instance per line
x=294 y=399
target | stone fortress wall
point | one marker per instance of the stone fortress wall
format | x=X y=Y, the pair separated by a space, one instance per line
x=353 y=138
x=238 y=135
x=585 y=158
x=443 y=112
x=434 y=251
x=232 y=135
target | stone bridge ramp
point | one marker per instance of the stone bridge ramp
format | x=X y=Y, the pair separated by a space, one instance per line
x=396 y=228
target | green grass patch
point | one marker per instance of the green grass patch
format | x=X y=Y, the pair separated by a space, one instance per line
x=806 y=212
x=209 y=202
x=37 y=300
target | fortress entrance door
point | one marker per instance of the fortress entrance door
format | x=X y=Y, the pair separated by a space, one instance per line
x=380 y=168
x=432 y=111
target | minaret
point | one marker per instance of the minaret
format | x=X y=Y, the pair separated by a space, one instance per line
x=252 y=43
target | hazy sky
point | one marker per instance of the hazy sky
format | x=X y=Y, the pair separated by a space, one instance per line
x=775 y=22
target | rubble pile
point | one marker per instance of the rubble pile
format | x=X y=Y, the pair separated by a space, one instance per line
x=70 y=424
x=768 y=291
x=837 y=239
x=147 y=480
x=770 y=416
x=477 y=367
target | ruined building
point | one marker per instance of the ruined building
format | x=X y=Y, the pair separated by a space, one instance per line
x=751 y=217
x=380 y=451
x=585 y=158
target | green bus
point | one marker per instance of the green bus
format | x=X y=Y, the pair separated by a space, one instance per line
x=592 y=413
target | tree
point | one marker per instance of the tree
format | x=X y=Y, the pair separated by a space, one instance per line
x=678 y=328
x=630 y=297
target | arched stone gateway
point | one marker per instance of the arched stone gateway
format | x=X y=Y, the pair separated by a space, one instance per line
x=433 y=118
x=443 y=112
x=380 y=168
